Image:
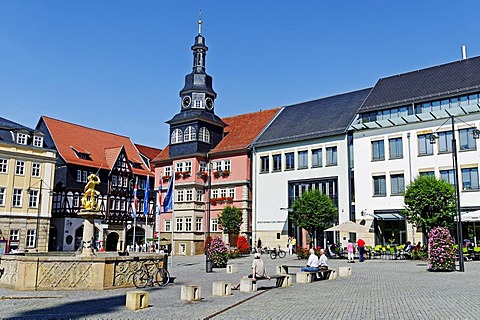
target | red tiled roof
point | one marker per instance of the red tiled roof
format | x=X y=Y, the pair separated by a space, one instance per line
x=163 y=155
x=243 y=129
x=102 y=146
x=149 y=152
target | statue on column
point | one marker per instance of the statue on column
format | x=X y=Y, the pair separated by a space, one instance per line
x=89 y=199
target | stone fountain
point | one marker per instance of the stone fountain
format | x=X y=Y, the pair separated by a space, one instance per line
x=84 y=271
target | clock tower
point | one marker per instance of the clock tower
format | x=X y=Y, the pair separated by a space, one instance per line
x=196 y=129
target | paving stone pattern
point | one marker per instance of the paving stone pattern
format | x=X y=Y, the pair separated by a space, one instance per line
x=378 y=289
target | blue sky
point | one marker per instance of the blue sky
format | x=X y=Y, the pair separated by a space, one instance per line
x=119 y=65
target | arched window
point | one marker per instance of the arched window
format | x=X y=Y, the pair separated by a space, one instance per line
x=204 y=134
x=190 y=134
x=177 y=136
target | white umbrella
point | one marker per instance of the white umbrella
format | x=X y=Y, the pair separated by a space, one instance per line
x=349 y=226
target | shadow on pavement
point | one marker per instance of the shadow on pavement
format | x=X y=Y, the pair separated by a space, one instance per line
x=78 y=309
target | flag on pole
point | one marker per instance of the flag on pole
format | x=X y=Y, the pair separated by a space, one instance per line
x=168 y=200
x=159 y=196
x=145 y=199
x=134 y=211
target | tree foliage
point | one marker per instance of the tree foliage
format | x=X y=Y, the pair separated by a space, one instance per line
x=312 y=211
x=230 y=220
x=430 y=202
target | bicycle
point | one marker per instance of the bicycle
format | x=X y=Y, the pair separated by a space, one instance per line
x=145 y=276
x=277 y=253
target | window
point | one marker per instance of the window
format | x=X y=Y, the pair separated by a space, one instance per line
x=302 y=159
x=231 y=193
x=214 y=227
x=36 y=169
x=188 y=224
x=31 y=235
x=379 y=186
x=179 y=167
x=187 y=166
x=190 y=134
x=84 y=176
x=204 y=134
x=203 y=167
x=397 y=183
x=177 y=136
x=189 y=195
x=79 y=175
x=215 y=193
x=470 y=179
x=14 y=235
x=21 y=138
x=179 y=224
x=264 y=164
x=289 y=161
x=3 y=165
x=427 y=173
x=114 y=180
x=168 y=225
x=199 y=224
x=331 y=156
x=17 y=197
x=448 y=175
x=2 y=196
x=180 y=195
x=199 y=195
x=227 y=165
x=378 y=150
x=445 y=141
x=20 y=167
x=424 y=145
x=167 y=171
x=317 y=160
x=33 y=199
x=467 y=142
x=396 y=148
x=198 y=104
x=277 y=162
x=37 y=141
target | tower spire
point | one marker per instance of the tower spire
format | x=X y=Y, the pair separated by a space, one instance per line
x=200 y=22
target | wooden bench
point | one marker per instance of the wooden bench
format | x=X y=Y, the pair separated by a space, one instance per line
x=320 y=275
x=281 y=280
x=306 y=277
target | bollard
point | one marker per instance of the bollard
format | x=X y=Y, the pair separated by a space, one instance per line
x=333 y=275
x=137 y=300
x=345 y=271
x=232 y=268
x=221 y=288
x=190 y=293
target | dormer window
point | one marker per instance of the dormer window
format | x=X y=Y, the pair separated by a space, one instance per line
x=37 y=141
x=21 y=138
x=81 y=153
x=136 y=165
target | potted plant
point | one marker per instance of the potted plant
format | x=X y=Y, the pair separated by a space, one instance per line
x=218 y=253
x=225 y=173
x=166 y=178
x=178 y=175
x=216 y=174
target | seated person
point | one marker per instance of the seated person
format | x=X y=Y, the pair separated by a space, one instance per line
x=258 y=271
x=312 y=263
x=322 y=261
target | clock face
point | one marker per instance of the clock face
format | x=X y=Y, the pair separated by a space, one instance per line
x=186 y=101
x=209 y=103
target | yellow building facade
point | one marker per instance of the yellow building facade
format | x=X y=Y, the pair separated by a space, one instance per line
x=26 y=180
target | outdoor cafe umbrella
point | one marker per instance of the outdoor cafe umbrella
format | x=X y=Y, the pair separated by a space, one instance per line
x=349 y=226
x=472 y=216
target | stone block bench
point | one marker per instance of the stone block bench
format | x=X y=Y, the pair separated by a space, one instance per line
x=281 y=281
x=307 y=277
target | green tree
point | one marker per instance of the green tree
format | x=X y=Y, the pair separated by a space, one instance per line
x=430 y=202
x=230 y=220
x=312 y=211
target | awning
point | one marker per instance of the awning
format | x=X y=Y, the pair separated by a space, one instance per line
x=349 y=226
x=392 y=215
x=472 y=216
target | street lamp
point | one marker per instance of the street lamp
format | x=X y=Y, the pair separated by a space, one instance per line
x=433 y=137
x=208 y=260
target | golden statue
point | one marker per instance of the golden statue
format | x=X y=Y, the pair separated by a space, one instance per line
x=89 y=201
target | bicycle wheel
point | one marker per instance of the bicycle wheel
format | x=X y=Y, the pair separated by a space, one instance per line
x=273 y=255
x=162 y=277
x=140 y=279
x=281 y=254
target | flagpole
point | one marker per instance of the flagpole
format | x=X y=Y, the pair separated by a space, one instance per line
x=135 y=213
x=145 y=209
x=159 y=209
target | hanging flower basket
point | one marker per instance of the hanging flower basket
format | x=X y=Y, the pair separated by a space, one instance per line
x=178 y=175
x=166 y=178
x=186 y=174
x=216 y=174
x=225 y=173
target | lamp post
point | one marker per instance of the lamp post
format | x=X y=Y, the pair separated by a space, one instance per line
x=208 y=260
x=39 y=208
x=433 y=137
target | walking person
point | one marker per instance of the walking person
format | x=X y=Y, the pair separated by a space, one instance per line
x=294 y=243
x=259 y=246
x=361 y=249
x=289 y=245
x=350 y=251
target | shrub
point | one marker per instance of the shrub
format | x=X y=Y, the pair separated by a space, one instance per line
x=441 y=253
x=218 y=252
x=242 y=245
x=232 y=254
x=302 y=253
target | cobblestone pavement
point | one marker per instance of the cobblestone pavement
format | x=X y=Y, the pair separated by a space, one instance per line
x=378 y=289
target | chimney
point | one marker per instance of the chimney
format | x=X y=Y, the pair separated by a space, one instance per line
x=464 y=52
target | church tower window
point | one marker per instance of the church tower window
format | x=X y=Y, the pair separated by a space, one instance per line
x=177 y=136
